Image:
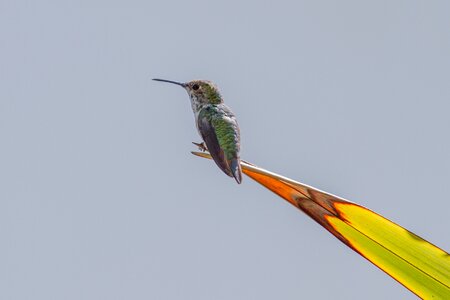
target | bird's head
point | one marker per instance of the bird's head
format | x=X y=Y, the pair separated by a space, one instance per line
x=200 y=91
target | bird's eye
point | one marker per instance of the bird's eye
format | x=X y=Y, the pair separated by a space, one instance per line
x=195 y=87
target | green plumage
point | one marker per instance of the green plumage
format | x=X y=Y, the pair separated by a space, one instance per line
x=212 y=94
x=219 y=129
x=225 y=127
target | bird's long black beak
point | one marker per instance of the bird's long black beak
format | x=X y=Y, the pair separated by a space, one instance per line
x=170 y=81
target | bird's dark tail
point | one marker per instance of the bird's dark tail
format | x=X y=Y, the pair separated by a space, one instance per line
x=235 y=166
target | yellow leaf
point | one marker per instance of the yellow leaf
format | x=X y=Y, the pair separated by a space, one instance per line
x=419 y=265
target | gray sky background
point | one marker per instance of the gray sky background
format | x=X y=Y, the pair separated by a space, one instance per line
x=101 y=198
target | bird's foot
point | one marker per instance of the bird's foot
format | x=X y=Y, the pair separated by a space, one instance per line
x=201 y=146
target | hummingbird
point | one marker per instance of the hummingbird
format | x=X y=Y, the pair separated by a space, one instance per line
x=216 y=124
